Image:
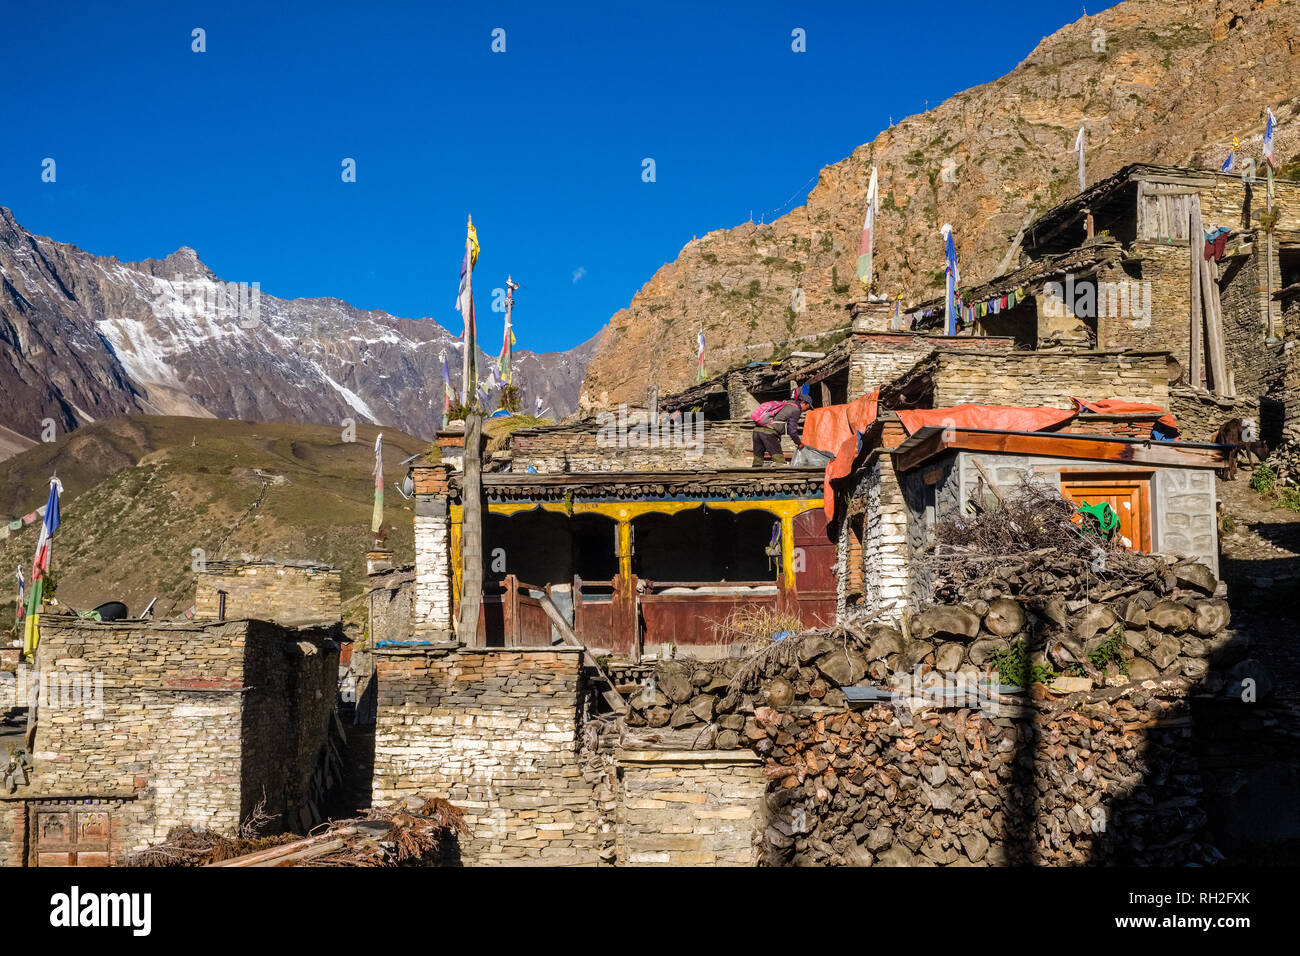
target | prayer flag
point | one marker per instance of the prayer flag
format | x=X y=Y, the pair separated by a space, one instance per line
x=867 y=245
x=377 y=520
x=41 y=568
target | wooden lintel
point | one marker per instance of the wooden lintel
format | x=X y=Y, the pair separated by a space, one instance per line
x=1048 y=445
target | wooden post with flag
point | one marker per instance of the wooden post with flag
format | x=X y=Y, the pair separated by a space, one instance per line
x=471 y=534
x=867 y=247
x=41 y=570
x=1269 y=126
x=508 y=340
x=951 y=277
x=447 y=392
x=465 y=305
x=377 y=519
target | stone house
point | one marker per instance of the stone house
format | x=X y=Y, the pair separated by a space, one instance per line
x=141 y=727
x=1112 y=268
x=908 y=478
x=288 y=592
x=634 y=560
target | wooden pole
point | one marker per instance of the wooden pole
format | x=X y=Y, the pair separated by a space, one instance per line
x=506 y=350
x=1213 y=333
x=471 y=535
x=1196 y=375
x=1268 y=261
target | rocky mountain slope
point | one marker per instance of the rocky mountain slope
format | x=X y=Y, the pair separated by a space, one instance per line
x=83 y=337
x=141 y=493
x=1149 y=80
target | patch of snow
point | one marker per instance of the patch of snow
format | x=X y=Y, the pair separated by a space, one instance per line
x=352 y=398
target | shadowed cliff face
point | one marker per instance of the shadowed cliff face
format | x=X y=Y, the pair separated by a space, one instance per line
x=1150 y=80
x=83 y=337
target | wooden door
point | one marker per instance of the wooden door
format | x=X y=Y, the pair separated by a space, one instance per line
x=814 y=569
x=1130 y=497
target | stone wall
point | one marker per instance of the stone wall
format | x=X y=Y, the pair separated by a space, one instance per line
x=1200 y=414
x=297 y=594
x=190 y=724
x=618 y=445
x=1256 y=364
x=885 y=551
x=689 y=808
x=950 y=769
x=292 y=692
x=1232 y=203
x=1166 y=273
x=496 y=732
x=433 y=573
x=878 y=358
x=391 y=608
x=1049 y=378
x=1290 y=394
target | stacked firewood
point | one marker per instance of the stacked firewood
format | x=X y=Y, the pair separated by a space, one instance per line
x=701 y=705
x=1037 y=714
x=1112 y=781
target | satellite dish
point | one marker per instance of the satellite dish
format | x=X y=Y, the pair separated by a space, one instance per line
x=111 y=611
x=406 y=487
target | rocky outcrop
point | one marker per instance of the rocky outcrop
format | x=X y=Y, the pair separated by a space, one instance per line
x=1149 y=80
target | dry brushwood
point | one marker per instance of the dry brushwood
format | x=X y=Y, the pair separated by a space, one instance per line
x=753 y=626
x=418 y=838
x=1006 y=543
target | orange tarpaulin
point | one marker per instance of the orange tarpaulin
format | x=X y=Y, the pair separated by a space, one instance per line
x=1005 y=418
x=1108 y=406
x=841 y=424
x=826 y=428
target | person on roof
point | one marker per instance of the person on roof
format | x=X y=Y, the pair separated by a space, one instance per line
x=771 y=421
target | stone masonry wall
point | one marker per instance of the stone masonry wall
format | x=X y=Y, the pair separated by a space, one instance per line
x=885 y=548
x=392 y=604
x=689 y=808
x=173 y=730
x=287 y=711
x=1200 y=414
x=1291 y=374
x=431 y=618
x=1165 y=271
x=1049 y=378
x=268 y=591
x=1255 y=363
x=495 y=731
x=879 y=358
x=612 y=447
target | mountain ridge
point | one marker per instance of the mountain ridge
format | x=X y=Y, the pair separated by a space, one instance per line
x=1149 y=80
x=86 y=336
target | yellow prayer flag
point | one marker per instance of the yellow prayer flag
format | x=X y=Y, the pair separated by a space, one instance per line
x=472 y=239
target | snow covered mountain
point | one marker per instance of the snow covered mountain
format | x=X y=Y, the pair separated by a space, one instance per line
x=83 y=337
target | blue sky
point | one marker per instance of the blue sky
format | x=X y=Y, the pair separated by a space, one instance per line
x=237 y=151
